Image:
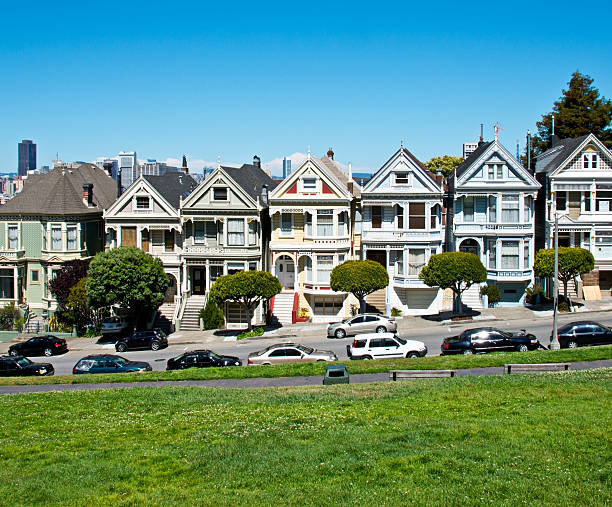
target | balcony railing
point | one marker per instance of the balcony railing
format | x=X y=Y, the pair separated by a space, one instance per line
x=485 y=228
x=12 y=254
x=219 y=250
x=401 y=236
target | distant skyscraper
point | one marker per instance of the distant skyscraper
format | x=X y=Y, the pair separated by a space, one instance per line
x=286 y=167
x=128 y=163
x=468 y=149
x=27 y=157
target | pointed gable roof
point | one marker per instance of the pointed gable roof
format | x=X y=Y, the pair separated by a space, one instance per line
x=461 y=168
x=60 y=192
x=563 y=149
x=172 y=186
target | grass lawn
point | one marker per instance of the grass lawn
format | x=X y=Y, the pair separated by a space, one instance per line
x=526 y=439
x=308 y=369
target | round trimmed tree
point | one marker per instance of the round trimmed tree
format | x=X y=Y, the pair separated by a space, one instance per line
x=454 y=270
x=360 y=278
x=247 y=288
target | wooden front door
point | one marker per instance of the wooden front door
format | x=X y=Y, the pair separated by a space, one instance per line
x=128 y=236
x=199 y=281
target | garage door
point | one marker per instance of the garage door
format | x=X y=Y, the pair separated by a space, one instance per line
x=417 y=299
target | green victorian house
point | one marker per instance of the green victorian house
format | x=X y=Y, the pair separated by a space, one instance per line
x=55 y=218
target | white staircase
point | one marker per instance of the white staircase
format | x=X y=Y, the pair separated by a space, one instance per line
x=165 y=314
x=283 y=307
x=191 y=319
x=471 y=298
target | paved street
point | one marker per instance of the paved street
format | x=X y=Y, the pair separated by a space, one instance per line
x=417 y=328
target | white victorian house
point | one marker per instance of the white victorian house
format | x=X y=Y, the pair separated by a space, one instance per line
x=576 y=175
x=493 y=217
x=402 y=208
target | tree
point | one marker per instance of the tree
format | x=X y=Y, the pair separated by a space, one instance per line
x=360 y=278
x=446 y=163
x=572 y=263
x=247 y=288
x=66 y=278
x=129 y=278
x=78 y=308
x=454 y=270
x=579 y=111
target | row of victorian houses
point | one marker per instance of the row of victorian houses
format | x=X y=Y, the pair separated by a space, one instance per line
x=318 y=217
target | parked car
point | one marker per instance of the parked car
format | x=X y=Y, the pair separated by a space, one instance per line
x=288 y=353
x=153 y=339
x=43 y=345
x=363 y=323
x=384 y=346
x=17 y=366
x=116 y=326
x=488 y=339
x=109 y=363
x=201 y=359
x=578 y=334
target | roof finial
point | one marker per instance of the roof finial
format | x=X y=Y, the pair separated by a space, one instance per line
x=497 y=128
x=402 y=145
x=218 y=161
x=308 y=152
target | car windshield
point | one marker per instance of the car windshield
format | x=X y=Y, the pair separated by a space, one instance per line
x=505 y=334
x=306 y=350
x=401 y=340
x=23 y=361
x=214 y=355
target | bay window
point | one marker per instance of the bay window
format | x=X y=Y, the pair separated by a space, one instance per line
x=376 y=217
x=199 y=232
x=325 y=222
x=397 y=259
x=527 y=208
x=510 y=209
x=308 y=224
x=235 y=232
x=399 y=216
x=526 y=255
x=56 y=238
x=492 y=208
x=416 y=261
x=286 y=228
x=510 y=255
x=71 y=235
x=492 y=249
x=468 y=208
x=252 y=233
x=324 y=268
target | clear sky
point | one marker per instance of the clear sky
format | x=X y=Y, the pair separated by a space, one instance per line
x=88 y=79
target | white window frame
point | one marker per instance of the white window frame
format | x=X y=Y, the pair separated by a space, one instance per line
x=53 y=244
x=327 y=213
x=312 y=187
x=76 y=237
x=235 y=235
x=8 y=237
x=285 y=234
x=403 y=180
x=142 y=196
x=327 y=260
x=252 y=232
x=219 y=187
x=196 y=239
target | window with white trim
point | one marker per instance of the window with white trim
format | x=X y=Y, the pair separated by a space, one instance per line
x=71 y=236
x=500 y=171
x=220 y=235
x=13 y=237
x=142 y=202
x=492 y=208
x=308 y=224
x=510 y=255
x=309 y=184
x=235 y=232
x=402 y=178
x=492 y=253
x=468 y=208
x=199 y=232
x=7 y=284
x=252 y=233
x=399 y=216
x=526 y=255
x=325 y=222
x=286 y=224
x=397 y=259
x=416 y=261
x=35 y=276
x=219 y=193
x=510 y=209
x=56 y=237
x=416 y=215
x=308 y=268
x=589 y=161
x=324 y=268
x=342 y=224
x=527 y=205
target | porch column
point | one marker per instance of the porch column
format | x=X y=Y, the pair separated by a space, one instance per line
x=207 y=275
x=388 y=288
x=185 y=281
x=15 y=283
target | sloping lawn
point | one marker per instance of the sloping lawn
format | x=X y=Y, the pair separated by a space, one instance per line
x=530 y=439
x=309 y=369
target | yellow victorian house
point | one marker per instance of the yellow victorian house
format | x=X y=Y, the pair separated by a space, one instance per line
x=315 y=227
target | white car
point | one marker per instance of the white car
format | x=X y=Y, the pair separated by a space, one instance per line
x=384 y=346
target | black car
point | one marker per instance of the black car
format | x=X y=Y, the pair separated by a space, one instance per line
x=488 y=339
x=201 y=359
x=44 y=345
x=153 y=339
x=109 y=363
x=582 y=333
x=17 y=366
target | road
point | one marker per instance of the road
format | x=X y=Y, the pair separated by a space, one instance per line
x=315 y=336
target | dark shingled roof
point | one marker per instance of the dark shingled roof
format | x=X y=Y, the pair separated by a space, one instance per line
x=551 y=159
x=172 y=186
x=461 y=168
x=251 y=178
x=60 y=192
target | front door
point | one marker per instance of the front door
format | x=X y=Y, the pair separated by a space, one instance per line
x=199 y=281
x=285 y=271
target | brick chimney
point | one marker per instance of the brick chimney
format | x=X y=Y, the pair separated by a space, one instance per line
x=330 y=153
x=88 y=194
x=185 y=169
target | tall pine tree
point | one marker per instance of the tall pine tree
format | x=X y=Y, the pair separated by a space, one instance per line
x=579 y=111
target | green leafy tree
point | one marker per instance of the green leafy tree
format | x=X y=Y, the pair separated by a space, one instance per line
x=446 y=163
x=129 y=278
x=572 y=263
x=247 y=288
x=9 y=314
x=579 y=111
x=360 y=278
x=66 y=278
x=78 y=308
x=454 y=270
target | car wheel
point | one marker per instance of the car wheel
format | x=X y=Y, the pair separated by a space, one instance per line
x=468 y=352
x=572 y=345
x=412 y=355
x=381 y=329
x=121 y=347
x=522 y=348
x=155 y=346
x=48 y=352
x=266 y=364
x=340 y=333
x=367 y=358
x=13 y=353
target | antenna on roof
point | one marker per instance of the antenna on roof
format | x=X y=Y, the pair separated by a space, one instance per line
x=308 y=152
x=497 y=128
x=552 y=133
x=218 y=161
x=402 y=145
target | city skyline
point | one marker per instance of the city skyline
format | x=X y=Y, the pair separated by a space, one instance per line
x=235 y=84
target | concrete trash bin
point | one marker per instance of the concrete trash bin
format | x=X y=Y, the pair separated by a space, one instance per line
x=336 y=374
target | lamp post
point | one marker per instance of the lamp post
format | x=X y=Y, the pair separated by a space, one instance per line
x=554 y=342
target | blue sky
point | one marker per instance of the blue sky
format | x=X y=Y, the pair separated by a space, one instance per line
x=235 y=79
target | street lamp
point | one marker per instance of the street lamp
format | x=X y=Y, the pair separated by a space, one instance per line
x=554 y=341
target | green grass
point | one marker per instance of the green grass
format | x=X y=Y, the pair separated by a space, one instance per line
x=530 y=439
x=309 y=369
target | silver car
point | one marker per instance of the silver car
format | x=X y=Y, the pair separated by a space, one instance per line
x=289 y=353
x=363 y=323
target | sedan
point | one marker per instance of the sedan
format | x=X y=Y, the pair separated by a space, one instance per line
x=488 y=339
x=201 y=359
x=109 y=363
x=365 y=323
x=23 y=367
x=582 y=333
x=289 y=353
x=46 y=345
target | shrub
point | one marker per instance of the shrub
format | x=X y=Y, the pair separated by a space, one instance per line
x=258 y=331
x=532 y=292
x=492 y=292
x=304 y=314
x=212 y=316
x=563 y=306
x=396 y=312
x=8 y=315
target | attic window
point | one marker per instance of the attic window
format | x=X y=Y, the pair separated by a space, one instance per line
x=220 y=194
x=589 y=161
x=142 y=202
x=309 y=185
x=401 y=178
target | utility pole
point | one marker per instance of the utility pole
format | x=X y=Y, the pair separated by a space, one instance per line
x=554 y=342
